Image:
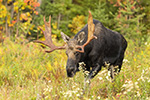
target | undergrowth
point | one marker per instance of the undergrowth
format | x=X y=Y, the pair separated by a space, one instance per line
x=28 y=73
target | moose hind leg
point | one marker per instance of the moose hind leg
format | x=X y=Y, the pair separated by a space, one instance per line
x=111 y=69
x=114 y=70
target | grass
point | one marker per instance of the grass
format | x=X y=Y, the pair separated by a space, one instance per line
x=28 y=73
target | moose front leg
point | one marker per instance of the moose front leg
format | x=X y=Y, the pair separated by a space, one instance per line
x=91 y=74
x=94 y=71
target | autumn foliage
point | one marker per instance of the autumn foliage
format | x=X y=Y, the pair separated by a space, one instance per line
x=16 y=16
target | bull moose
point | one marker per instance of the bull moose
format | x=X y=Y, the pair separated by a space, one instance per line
x=94 y=45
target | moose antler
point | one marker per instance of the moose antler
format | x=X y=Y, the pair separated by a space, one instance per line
x=91 y=29
x=48 y=38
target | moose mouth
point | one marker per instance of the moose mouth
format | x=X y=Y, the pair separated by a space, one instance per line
x=71 y=73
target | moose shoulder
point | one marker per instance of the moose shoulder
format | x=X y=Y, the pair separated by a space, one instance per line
x=94 y=45
x=108 y=47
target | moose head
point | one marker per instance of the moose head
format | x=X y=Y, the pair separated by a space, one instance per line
x=73 y=47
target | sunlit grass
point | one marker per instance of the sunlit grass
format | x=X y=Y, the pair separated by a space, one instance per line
x=27 y=72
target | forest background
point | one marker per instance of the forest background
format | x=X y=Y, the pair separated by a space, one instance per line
x=26 y=72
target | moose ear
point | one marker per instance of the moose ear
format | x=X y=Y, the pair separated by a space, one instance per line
x=81 y=37
x=64 y=37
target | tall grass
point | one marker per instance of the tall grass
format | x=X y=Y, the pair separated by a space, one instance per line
x=28 y=73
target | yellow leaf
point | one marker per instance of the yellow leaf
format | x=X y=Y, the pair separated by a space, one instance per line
x=3 y=11
x=15 y=3
x=29 y=33
x=135 y=59
x=20 y=18
x=55 y=63
x=70 y=25
x=31 y=28
x=28 y=14
x=49 y=67
x=10 y=25
x=142 y=52
x=8 y=1
x=16 y=8
x=54 y=25
x=22 y=7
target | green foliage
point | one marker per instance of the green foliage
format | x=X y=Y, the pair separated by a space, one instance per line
x=146 y=9
x=103 y=12
x=129 y=20
x=63 y=12
x=100 y=13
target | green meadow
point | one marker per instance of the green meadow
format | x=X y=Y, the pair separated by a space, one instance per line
x=28 y=73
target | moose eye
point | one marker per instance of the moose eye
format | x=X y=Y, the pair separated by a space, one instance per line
x=71 y=48
x=66 y=53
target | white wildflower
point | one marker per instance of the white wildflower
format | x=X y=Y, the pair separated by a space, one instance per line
x=129 y=85
x=73 y=86
x=46 y=97
x=98 y=97
x=102 y=72
x=143 y=71
x=109 y=73
x=78 y=95
x=100 y=78
x=126 y=61
x=78 y=89
x=147 y=98
x=87 y=81
x=124 y=85
x=108 y=78
x=142 y=78
x=38 y=97
x=81 y=93
x=136 y=83
x=49 y=81
x=86 y=73
x=50 y=89
x=138 y=94
x=125 y=92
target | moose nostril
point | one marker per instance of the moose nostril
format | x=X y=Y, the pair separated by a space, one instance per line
x=70 y=69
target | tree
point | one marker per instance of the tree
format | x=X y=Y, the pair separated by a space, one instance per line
x=129 y=20
x=63 y=11
x=16 y=16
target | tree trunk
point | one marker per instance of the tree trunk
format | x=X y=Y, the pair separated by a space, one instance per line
x=58 y=21
x=17 y=32
x=6 y=25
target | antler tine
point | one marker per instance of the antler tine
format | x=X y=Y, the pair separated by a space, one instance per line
x=48 y=38
x=91 y=29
